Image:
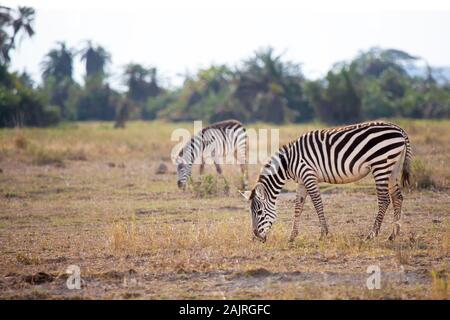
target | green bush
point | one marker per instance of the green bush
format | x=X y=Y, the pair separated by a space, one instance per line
x=209 y=185
x=21 y=105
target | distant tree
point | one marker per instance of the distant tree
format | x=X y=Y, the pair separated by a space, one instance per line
x=375 y=61
x=21 y=105
x=142 y=82
x=96 y=58
x=271 y=89
x=206 y=95
x=264 y=88
x=335 y=99
x=96 y=101
x=57 y=69
x=13 y=23
x=58 y=63
x=155 y=106
x=26 y=79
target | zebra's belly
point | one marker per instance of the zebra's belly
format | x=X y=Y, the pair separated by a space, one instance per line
x=348 y=178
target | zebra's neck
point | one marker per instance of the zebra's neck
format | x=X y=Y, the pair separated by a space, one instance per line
x=275 y=173
x=192 y=149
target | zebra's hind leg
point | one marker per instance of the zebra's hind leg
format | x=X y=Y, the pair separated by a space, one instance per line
x=312 y=186
x=239 y=155
x=383 y=204
x=244 y=174
x=299 y=202
x=397 y=200
x=220 y=172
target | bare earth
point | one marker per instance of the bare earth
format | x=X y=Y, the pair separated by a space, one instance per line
x=89 y=196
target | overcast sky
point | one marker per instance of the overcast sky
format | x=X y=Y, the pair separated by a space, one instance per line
x=179 y=36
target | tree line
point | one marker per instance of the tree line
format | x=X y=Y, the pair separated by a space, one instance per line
x=264 y=87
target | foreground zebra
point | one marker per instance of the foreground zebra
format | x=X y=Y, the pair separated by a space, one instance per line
x=337 y=155
x=219 y=140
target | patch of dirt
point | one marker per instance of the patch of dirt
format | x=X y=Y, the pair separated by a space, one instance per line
x=38 y=278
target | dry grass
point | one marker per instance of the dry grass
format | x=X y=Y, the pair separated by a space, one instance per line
x=439 y=286
x=135 y=235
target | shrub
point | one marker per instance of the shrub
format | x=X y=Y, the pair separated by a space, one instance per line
x=209 y=185
x=439 y=284
x=43 y=157
x=422 y=176
x=20 y=141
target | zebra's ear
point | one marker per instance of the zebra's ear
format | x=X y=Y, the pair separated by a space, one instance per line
x=246 y=194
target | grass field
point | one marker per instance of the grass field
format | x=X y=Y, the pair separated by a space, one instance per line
x=87 y=195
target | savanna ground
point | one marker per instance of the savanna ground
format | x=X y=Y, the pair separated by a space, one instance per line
x=88 y=195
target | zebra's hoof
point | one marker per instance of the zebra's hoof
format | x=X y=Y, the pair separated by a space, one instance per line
x=370 y=236
x=293 y=236
x=324 y=235
x=395 y=232
x=392 y=237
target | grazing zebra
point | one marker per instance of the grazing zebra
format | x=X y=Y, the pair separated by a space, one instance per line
x=219 y=140
x=337 y=155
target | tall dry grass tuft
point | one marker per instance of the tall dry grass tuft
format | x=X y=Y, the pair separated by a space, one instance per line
x=402 y=255
x=123 y=237
x=44 y=156
x=439 y=285
x=20 y=141
x=422 y=177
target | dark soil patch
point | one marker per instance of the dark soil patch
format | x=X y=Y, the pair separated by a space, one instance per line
x=38 y=278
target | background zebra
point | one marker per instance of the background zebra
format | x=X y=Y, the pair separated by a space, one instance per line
x=338 y=155
x=225 y=139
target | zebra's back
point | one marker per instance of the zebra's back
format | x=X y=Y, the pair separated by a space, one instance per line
x=222 y=138
x=347 y=154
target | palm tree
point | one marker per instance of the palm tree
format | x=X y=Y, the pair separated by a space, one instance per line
x=20 y=21
x=57 y=68
x=96 y=59
x=58 y=63
x=142 y=82
x=267 y=86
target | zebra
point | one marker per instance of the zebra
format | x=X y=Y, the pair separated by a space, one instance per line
x=336 y=155
x=221 y=139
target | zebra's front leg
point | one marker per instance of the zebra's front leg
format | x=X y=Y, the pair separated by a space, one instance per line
x=299 y=202
x=312 y=186
x=218 y=168
x=202 y=167
x=383 y=204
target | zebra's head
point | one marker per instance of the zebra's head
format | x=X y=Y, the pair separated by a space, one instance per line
x=262 y=211
x=184 y=170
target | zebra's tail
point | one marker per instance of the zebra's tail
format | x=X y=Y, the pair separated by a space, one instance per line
x=406 y=171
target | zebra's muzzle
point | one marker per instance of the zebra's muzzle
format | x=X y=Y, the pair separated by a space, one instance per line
x=181 y=185
x=258 y=236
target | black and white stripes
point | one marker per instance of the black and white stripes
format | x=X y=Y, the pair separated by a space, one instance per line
x=223 y=142
x=338 y=155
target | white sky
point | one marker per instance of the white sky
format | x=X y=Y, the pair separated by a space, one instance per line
x=179 y=36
